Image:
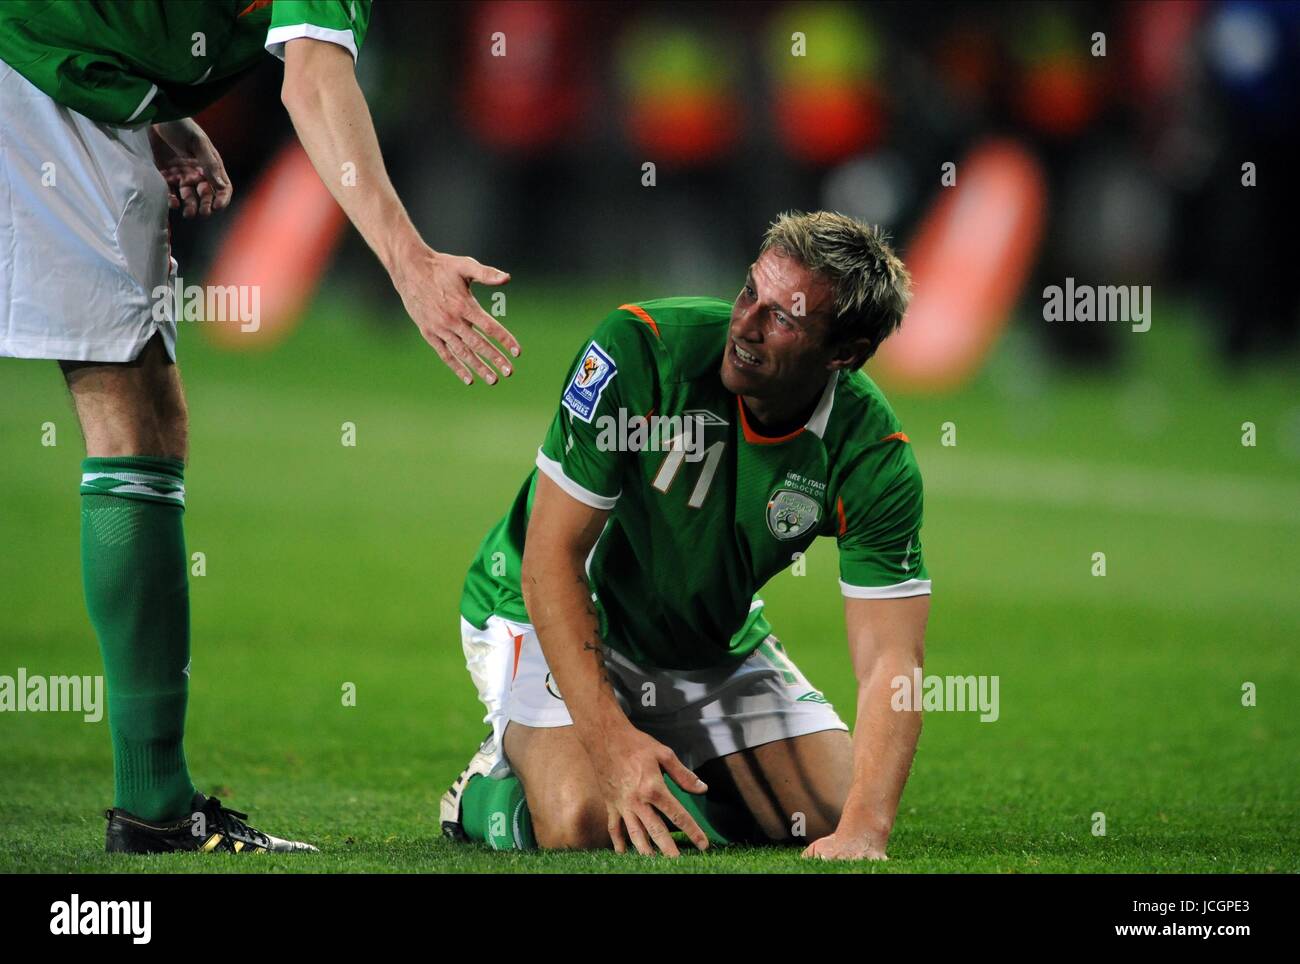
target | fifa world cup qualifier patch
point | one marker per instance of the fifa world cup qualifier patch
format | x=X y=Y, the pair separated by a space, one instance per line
x=594 y=373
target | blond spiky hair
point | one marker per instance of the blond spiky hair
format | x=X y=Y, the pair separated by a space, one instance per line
x=871 y=283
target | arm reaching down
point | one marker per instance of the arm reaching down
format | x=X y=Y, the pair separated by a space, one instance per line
x=886 y=640
x=333 y=123
x=629 y=764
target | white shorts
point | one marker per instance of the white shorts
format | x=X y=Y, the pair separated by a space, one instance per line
x=83 y=233
x=698 y=714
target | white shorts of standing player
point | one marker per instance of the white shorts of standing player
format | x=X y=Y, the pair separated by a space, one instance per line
x=699 y=714
x=83 y=233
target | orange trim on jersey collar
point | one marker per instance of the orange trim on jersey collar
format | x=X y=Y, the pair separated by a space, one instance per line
x=897 y=435
x=643 y=315
x=754 y=437
x=255 y=5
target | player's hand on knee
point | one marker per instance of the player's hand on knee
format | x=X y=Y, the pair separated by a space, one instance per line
x=640 y=800
x=435 y=290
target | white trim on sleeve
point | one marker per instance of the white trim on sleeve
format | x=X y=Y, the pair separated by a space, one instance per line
x=913 y=587
x=277 y=37
x=555 y=472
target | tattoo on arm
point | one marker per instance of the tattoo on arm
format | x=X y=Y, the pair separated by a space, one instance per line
x=598 y=652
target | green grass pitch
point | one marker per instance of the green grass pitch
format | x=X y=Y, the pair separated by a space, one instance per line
x=329 y=565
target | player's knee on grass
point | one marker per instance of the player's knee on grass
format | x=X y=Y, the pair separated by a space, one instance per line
x=795 y=794
x=803 y=819
x=802 y=825
x=565 y=819
x=560 y=786
x=814 y=826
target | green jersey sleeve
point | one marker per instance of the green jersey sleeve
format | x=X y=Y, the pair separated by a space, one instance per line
x=341 y=22
x=612 y=379
x=879 y=511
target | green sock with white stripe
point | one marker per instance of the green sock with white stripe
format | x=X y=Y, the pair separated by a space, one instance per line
x=135 y=572
x=494 y=812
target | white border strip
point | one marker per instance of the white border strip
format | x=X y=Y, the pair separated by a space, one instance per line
x=144 y=478
x=821 y=415
x=555 y=472
x=132 y=488
x=148 y=99
x=913 y=587
x=277 y=37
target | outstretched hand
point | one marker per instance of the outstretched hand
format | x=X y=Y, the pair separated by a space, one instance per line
x=435 y=290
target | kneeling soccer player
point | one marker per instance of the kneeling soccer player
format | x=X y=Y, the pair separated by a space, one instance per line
x=610 y=621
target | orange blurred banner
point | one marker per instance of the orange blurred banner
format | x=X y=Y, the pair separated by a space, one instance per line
x=969 y=261
x=281 y=240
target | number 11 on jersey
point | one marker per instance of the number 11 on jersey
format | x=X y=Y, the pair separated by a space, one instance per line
x=673 y=463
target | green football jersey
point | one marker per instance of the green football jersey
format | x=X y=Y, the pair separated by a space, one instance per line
x=701 y=517
x=144 y=61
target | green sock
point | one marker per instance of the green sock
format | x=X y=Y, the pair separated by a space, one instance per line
x=495 y=813
x=722 y=822
x=137 y=594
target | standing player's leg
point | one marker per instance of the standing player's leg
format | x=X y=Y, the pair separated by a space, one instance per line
x=83 y=224
x=134 y=569
x=136 y=577
x=131 y=408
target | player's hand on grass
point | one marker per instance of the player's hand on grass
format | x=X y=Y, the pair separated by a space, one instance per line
x=842 y=846
x=197 y=182
x=631 y=775
x=435 y=290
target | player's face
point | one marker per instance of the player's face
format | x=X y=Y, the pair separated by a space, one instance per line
x=777 y=344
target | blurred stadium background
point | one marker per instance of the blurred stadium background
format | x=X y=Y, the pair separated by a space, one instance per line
x=328 y=564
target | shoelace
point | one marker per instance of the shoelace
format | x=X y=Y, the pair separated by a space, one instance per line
x=232 y=823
